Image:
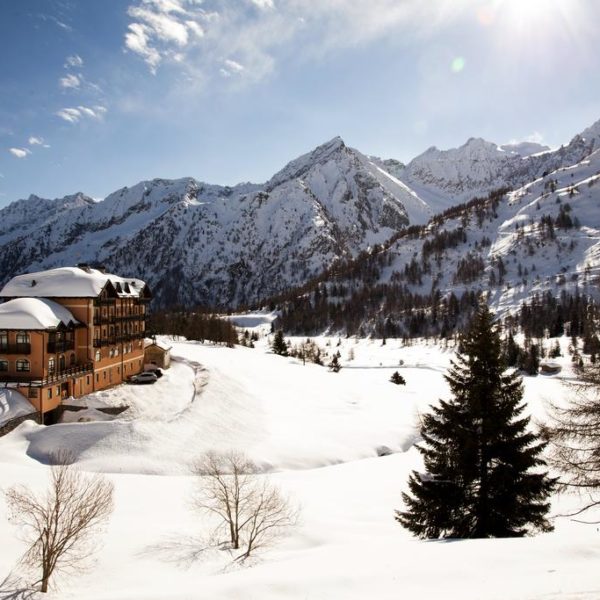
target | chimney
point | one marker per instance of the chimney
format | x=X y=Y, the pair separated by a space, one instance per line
x=84 y=267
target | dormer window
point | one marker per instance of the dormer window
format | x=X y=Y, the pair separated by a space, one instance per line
x=118 y=287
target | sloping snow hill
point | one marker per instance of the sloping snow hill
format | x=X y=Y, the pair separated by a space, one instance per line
x=295 y=419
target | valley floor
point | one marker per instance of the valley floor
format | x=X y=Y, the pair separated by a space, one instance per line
x=319 y=436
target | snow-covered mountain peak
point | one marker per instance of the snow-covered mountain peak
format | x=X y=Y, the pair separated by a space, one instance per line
x=299 y=166
x=592 y=134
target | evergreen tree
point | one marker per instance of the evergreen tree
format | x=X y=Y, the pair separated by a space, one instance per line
x=279 y=345
x=397 y=379
x=478 y=452
x=334 y=365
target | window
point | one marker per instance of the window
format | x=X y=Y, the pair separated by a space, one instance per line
x=104 y=375
x=22 y=338
x=58 y=390
x=22 y=365
x=117 y=351
x=98 y=356
x=61 y=362
x=3 y=365
x=97 y=377
x=51 y=365
x=49 y=393
x=3 y=338
x=72 y=359
x=87 y=380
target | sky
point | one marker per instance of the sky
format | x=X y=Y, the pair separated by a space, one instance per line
x=100 y=94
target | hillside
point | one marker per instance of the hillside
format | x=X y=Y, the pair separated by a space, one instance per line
x=318 y=435
x=230 y=246
x=542 y=238
x=222 y=245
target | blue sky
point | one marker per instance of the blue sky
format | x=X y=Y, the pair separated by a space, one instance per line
x=99 y=94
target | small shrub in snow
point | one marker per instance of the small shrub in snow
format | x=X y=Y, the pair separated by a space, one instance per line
x=397 y=379
x=334 y=364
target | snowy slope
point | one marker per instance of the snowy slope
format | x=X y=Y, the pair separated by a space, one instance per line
x=533 y=259
x=225 y=245
x=347 y=545
x=443 y=178
x=196 y=243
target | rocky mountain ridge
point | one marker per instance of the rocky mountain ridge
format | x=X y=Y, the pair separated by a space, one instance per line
x=197 y=243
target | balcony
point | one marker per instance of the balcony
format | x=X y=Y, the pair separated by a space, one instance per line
x=62 y=346
x=118 y=339
x=57 y=376
x=69 y=372
x=15 y=348
x=104 y=319
x=104 y=301
x=106 y=341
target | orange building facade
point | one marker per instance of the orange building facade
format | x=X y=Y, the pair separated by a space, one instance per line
x=89 y=338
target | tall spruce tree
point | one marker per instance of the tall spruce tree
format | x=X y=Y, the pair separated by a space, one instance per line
x=279 y=345
x=478 y=452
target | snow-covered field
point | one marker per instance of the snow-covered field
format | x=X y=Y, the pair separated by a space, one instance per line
x=319 y=435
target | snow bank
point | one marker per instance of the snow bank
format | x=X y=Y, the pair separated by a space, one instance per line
x=13 y=405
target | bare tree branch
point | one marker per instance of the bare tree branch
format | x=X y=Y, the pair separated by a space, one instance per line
x=60 y=526
x=247 y=506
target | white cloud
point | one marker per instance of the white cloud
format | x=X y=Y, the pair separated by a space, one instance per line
x=196 y=38
x=231 y=67
x=19 y=152
x=195 y=28
x=70 y=81
x=36 y=141
x=161 y=25
x=165 y=29
x=263 y=4
x=535 y=137
x=74 y=61
x=74 y=115
x=137 y=40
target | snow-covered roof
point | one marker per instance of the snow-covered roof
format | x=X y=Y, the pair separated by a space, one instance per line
x=161 y=345
x=70 y=282
x=34 y=313
x=13 y=405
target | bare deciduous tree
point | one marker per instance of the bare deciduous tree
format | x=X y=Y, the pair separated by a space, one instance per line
x=574 y=432
x=247 y=506
x=60 y=525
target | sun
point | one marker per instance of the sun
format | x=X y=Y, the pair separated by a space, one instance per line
x=526 y=14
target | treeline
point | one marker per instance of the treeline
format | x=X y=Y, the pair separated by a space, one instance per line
x=383 y=310
x=349 y=297
x=546 y=315
x=196 y=325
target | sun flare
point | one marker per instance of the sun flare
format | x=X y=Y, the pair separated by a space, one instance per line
x=531 y=13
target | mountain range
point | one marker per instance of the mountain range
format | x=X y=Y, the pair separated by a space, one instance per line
x=196 y=243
